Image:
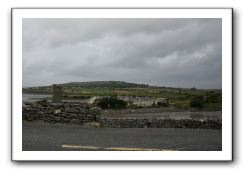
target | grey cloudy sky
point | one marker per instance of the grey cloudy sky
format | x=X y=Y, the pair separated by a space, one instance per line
x=165 y=52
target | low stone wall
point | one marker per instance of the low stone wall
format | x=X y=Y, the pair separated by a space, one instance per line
x=139 y=110
x=160 y=123
x=82 y=114
x=69 y=113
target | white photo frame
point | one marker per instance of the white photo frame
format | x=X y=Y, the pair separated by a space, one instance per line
x=19 y=155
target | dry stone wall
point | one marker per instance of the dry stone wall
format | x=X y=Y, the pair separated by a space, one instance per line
x=160 y=123
x=69 y=113
x=81 y=113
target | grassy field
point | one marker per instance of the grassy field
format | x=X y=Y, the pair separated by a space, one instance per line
x=180 y=97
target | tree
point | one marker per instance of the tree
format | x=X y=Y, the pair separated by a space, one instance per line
x=193 y=89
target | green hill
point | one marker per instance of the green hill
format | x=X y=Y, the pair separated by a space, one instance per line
x=108 y=84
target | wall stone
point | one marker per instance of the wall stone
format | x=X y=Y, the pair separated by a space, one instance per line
x=160 y=123
x=69 y=113
x=81 y=113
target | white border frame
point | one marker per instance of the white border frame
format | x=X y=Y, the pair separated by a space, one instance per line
x=19 y=155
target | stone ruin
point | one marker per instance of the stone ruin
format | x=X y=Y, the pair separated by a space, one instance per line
x=57 y=94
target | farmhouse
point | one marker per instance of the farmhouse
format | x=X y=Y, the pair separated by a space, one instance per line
x=136 y=101
x=143 y=101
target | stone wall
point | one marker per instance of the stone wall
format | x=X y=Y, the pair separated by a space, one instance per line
x=140 y=110
x=160 y=123
x=81 y=113
x=69 y=113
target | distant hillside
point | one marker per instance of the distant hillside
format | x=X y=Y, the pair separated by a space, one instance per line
x=109 y=84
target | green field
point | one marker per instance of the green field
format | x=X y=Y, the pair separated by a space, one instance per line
x=180 y=97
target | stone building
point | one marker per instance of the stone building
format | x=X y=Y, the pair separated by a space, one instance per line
x=57 y=94
x=143 y=101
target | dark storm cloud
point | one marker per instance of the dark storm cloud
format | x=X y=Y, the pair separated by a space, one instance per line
x=167 y=52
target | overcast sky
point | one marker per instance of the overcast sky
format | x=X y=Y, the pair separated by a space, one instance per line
x=165 y=52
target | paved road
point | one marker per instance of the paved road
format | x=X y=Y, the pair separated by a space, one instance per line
x=60 y=137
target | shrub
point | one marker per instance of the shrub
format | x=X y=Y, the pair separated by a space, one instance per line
x=213 y=98
x=197 y=102
x=111 y=102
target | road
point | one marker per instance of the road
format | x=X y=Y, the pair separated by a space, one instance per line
x=61 y=137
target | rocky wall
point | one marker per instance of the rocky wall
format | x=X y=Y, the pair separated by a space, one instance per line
x=69 y=113
x=160 y=123
x=81 y=113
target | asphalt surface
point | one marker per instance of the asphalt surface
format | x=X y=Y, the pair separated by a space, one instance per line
x=61 y=137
